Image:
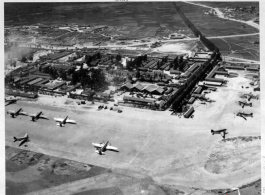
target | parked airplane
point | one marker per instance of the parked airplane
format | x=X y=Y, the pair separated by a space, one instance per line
x=63 y=121
x=244 y=104
x=16 y=113
x=35 y=117
x=103 y=147
x=10 y=101
x=22 y=139
x=249 y=96
x=221 y=131
x=244 y=115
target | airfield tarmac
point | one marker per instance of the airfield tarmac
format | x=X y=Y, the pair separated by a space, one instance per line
x=171 y=150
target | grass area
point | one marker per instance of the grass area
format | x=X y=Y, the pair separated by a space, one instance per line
x=43 y=171
x=116 y=14
x=240 y=47
x=229 y=4
x=212 y=25
x=102 y=191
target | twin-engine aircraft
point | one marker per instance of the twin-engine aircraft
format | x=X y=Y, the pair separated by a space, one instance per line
x=22 y=139
x=244 y=103
x=10 y=101
x=103 y=147
x=250 y=95
x=13 y=114
x=63 y=121
x=244 y=115
x=35 y=117
x=222 y=132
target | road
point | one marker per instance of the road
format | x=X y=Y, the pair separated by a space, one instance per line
x=150 y=42
x=221 y=15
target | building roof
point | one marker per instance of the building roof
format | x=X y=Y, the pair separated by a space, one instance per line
x=193 y=67
x=52 y=87
x=150 y=88
x=198 y=89
x=175 y=71
x=103 y=94
x=35 y=81
x=62 y=66
x=159 y=90
x=153 y=88
x=127 y=85
x=138 y=99
x=138 y=86
x=28 y=79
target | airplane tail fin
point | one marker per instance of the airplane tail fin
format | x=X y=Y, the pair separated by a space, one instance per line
x=250 y=104
x=33 y=118
x=212 y=131
x=15 y=139
x=12 y=115
x=251 y=114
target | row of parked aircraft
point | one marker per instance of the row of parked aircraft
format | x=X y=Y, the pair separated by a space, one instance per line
x=249 y=96
x=101 y=148
x=40 y=115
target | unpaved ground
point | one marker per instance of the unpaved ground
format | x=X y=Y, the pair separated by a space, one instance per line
x=28 y=171
x=171 y=150
x=244 y=150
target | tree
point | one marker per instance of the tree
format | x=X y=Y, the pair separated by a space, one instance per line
x=129 y=77
x=98 y=55
x=14 y=63
x=145 y=57
x=158 y=65
x=166 y=59
x=138 y=74
x=63 y=75
x=175 y=66
x=118 y=57
x=88 y=59
x=74 y=78
x=30 y=57
x=171 y=64
x=23 y=59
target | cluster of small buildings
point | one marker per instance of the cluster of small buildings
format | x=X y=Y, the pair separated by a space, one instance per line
x=156 y=86
x=211 y=12
x=243 y=9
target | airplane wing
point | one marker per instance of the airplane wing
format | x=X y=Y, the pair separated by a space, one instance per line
x=70 y=121
x=58 y=119
x=96 y=145
x=23 y=113
x=22 y=142
x=43 y=116
x=111 y=148
x=10 y=112
x=243 y=117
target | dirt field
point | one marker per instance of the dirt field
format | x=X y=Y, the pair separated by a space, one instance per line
x=219 y=26
x=241 y=47
x=28 y=172
x=170 y=149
